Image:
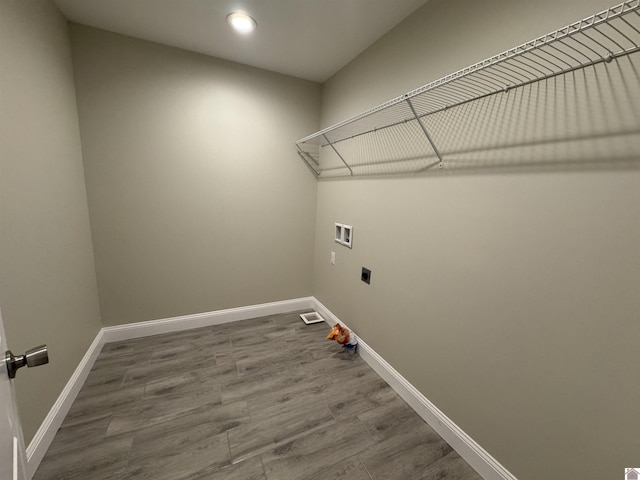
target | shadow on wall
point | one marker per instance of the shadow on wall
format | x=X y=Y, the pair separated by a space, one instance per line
x=580 y=120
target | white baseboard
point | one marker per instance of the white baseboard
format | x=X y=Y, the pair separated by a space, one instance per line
x=186 y=322
x=476 y=456
x=44 y=436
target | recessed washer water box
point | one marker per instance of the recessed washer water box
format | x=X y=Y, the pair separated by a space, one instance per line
x=338 y=233
x=344 y=234
x=311 y=317
x=347 y=235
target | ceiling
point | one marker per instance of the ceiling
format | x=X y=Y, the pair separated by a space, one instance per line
x=310 y=39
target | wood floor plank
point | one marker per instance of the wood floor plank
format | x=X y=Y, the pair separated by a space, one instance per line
x=278 y=424
x=84 y=431
x=405 y=449
x=250 y=469
x=90 y=402
x=451 y=467
x=225 y=416
x=347 y=402
x=100 y=461
x=350 y=468
x=317 y=451
x=158 y=452
x=308 y=392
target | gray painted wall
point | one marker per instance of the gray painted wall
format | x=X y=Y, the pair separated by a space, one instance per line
x=48 y=290
x=508 y=299
x=198 y=200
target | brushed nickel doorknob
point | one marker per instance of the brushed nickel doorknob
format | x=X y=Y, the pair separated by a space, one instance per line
x=32 y=358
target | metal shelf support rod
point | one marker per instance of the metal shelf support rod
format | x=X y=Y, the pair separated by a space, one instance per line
x=313 y=169
x=426 y=133
x=306 y=154
x=338 y=153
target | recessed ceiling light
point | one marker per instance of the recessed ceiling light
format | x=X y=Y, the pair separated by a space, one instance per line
x=241 y=22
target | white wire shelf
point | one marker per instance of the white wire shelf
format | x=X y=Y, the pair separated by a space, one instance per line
x=554 y=98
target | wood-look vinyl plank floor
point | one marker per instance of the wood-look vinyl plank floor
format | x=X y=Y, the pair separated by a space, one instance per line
x=262 y=399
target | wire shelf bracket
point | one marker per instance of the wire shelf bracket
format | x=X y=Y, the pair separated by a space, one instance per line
x=426 y=133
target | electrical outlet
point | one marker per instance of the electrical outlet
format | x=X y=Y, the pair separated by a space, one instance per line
x=333 y=258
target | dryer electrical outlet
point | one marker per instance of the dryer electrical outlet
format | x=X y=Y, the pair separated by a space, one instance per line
x=365 y=276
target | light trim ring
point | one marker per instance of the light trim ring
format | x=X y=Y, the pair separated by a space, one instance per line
x=241 y=22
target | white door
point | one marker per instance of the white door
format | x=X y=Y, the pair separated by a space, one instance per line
x=12 y=452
